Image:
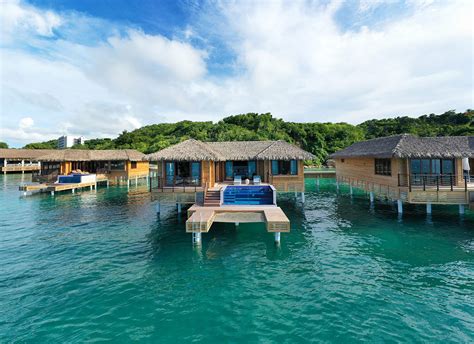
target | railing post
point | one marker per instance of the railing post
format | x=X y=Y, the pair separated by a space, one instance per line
x=451 y=181
x=424 y=183
x=465 y=183
x=399 y=179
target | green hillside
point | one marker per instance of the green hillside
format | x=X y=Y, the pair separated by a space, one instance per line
x=321 y=139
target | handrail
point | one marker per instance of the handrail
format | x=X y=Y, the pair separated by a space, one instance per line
x=425 y=179
x=174 y=183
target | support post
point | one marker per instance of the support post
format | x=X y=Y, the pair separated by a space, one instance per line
x=179 y=208
x=52 y=193
x=136 y=182
x=90 y=187
x=400 y=206
x=317 y=181
x=73 y=190
x=236 y=224
x=158 y=208
x=196 y=238
x=371 y=197
x=277 y=238
x=337 y=185
x=461 y=209
x=350 y=190
x=428 y=208
x=302 y=197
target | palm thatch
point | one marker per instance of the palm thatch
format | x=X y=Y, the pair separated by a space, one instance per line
x=23 y=154
x=410 y=146
x=194 y=150
x=93 y=155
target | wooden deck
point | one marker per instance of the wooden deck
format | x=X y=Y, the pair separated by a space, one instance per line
x=19 y=168
x=55 y=187
x=200 y=219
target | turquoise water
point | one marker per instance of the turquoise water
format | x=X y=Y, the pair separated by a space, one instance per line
x=96 y=267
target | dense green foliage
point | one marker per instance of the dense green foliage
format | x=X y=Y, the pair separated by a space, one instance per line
x=52 y=144
x=321 y=139
x=3 y=145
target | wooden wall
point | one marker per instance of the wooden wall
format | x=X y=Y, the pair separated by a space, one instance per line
x=287 y=183
x=363 y=169
x=142 y=169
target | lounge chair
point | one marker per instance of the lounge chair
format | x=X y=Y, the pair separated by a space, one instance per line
x=256 y=180
x=237 y=180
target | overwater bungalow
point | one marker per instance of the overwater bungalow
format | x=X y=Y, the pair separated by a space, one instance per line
x=229 y=181
x=114 y=166
x=411 y=169
x=21 y=160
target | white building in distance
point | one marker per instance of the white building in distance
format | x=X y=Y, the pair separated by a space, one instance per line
x=67 y=141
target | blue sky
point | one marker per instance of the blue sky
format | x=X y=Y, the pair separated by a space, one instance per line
x=95 y=68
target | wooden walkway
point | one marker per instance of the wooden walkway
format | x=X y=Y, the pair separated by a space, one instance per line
x=55 y=187
x=200 y=219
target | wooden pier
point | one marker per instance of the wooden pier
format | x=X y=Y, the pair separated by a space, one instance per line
x=56 y=187
x=200 y=219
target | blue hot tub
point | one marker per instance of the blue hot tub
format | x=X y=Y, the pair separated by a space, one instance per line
x=248 y=195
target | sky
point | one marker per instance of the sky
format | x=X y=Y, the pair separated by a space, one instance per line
x=98 y=67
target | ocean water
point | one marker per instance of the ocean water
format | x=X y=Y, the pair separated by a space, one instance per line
x=100 y=266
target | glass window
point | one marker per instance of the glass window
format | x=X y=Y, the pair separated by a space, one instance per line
x=169 y=173
x=275 y=169
x=383 y=167
x=117 y=165
x=252 y=168
x=415 y=166
x=284 y=167
x=293 y=167
x=229 y=170
x=447 y=166
x=196 y=171
x=133 y=164
x=436 y=166
x=425 y=166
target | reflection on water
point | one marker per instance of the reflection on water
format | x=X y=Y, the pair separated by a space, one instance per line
x=101 y=265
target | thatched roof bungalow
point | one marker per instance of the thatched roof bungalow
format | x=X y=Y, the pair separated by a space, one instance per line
x=21 y=160
x=198 y=162
x=115 y=165
x=408 y=161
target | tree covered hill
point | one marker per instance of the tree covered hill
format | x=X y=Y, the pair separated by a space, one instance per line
x=321 y=139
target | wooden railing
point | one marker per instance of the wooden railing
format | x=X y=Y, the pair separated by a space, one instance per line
x=424 y=181
x=188 y=184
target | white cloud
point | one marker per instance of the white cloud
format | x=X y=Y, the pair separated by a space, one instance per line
x=291 y=59
x=26 y=122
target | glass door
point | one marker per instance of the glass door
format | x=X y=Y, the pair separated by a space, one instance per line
x=170 y=169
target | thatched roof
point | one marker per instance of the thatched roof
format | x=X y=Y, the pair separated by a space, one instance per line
x=189 y=150
x=93 y=155
x=410 y=146
x=27 y=154
x=194 y=150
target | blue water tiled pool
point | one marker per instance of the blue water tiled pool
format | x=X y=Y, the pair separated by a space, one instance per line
x=248 y=194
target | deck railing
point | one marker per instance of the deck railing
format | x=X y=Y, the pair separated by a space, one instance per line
x=175 y=184
x=430 y=181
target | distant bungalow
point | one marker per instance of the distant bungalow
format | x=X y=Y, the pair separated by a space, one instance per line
x=407 y=168
x=21 y=160
x=115 y=166
x=238 y=181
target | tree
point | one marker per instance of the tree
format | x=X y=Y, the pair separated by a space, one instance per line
x=3 y=144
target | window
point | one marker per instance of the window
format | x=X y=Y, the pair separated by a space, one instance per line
x=284 y=167
x=383 y=167
x=432 y=166
x=133 y=164
x=183 y=173
x=117 y=165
